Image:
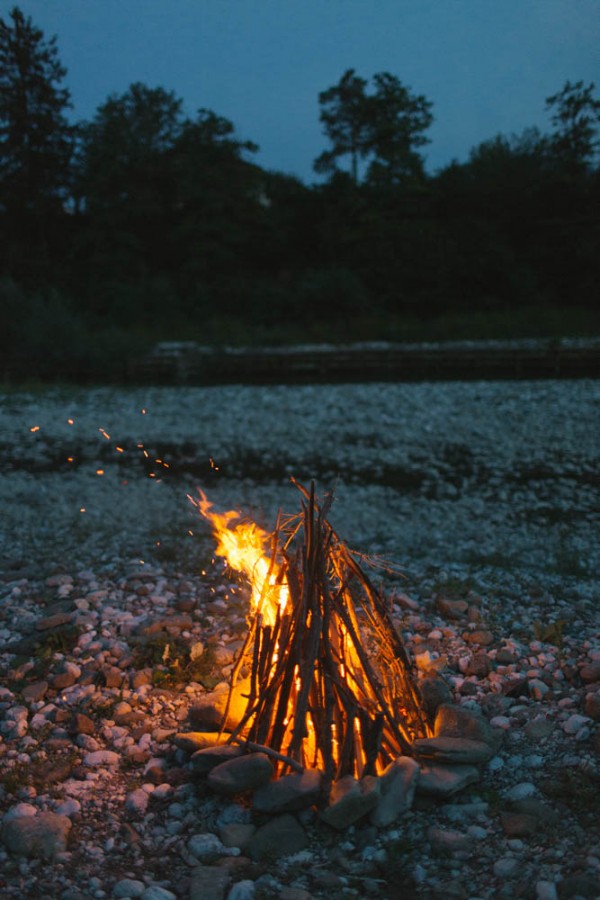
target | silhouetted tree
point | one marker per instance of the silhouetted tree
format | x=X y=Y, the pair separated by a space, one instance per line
x=36 y=140
x=575 y=116
x=398 y=122
x=386 y=125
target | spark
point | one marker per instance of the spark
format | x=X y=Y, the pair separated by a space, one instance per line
x=35 y=428
x=70 y=421
x=104 y=434
x=99 y=471
x=119 y=450
x=82 y=509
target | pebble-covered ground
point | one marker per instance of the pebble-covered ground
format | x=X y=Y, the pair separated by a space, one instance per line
x=110 y=633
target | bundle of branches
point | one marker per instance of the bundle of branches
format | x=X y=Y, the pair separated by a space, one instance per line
x=331 y=684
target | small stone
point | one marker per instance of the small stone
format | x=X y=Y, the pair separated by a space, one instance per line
x=520 y=791
x=141 y=678
x=479 y=636
x=245 y=773
x=101 y=758
x=539 y=728
x=55 y=621
x=136 y=803
x=517 y=824
x=574 y=723
x=155 y=892
x=209 y=883
x=70 y=807
x=207 y=847
x=82 y=724
x=242 y=890
x=42 y=836
x=590 y=672
x=63 y=680
x=35 y=691
x=591 y=706
x=451 y=609
x=479 y=665
x=505 y=867
x=281 y=836
x=446 y=841
x=538 y=689
x=546 y=890
x=128 y=887
x=113 y=677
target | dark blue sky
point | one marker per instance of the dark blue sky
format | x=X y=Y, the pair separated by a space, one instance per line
x=487 y=65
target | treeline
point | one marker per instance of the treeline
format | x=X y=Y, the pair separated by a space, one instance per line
x=146 y=224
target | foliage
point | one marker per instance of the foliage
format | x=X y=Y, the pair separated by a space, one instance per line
x=172 y=661
x=575 y=116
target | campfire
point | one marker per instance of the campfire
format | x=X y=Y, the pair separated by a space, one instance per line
x=330 y=680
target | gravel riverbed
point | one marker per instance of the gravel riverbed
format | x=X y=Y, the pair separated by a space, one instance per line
x=486 y=494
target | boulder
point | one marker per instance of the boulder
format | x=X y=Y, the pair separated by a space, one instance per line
x=350 y=800
x=397 y=789
x=41 y=836
x=281 y=836
x=292 y=792
x=246 y=773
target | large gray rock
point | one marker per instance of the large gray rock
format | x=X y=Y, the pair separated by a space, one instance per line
x=456 y=721
x=246 y=773
x=208 y=715
x=191 y=741
x=282 y=836
x=453 y=750
x=350 y=800
x=204 y=761
x=397 y=785
x=292 y=792
x=41 y=836
x=444 y=780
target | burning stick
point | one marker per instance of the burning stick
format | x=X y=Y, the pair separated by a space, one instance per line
x=331 y=685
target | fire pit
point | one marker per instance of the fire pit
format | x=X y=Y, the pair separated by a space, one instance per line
x=330 y=684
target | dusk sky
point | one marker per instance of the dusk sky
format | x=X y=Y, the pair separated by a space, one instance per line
x=487 y=65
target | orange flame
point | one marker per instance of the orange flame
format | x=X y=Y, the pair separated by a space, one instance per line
x=243 y=546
